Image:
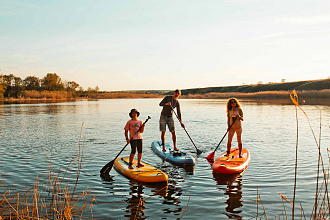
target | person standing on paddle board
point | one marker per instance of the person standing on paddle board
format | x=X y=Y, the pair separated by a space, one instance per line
x=234 y=111
x=166 y=117
x=132 y=126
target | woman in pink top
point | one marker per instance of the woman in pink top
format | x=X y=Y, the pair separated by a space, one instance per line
x=234 y=111
x=132 y=126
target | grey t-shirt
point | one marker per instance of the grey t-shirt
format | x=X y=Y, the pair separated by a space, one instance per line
x=167 y=110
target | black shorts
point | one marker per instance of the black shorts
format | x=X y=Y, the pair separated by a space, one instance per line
x=136 y=144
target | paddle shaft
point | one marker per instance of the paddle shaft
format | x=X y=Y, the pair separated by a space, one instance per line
x=107 y=168
x=225 y=134
x=198 y=151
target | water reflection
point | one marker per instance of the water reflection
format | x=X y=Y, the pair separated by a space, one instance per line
x=171 y=193
x=233 y=190
x=136 y=203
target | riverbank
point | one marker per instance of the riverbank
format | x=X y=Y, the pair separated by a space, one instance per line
x=310 y=94
x=306 y=89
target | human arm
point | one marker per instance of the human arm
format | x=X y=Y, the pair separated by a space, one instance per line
x=126 y=136
x=240 y=115
x=142 y=127
x=165 y=101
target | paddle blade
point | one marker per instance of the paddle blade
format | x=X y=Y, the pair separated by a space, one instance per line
x=107 y=168
x=199 y=152
x=211 y=156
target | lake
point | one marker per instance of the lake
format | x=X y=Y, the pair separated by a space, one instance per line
x=30 y=132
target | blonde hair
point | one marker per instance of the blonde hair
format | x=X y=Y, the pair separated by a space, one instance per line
x=229 y=105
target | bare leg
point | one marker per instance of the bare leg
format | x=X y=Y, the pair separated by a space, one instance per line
x=174 y=141
x=228 y=148
x=240 y=149
x=239 y=141
x=139 y=160
x=131 y=157
x=163 y=140
x=230 y=138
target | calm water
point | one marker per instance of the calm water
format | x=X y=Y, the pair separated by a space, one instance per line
x=28 y=131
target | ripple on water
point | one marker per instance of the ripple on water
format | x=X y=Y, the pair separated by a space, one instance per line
x=30 y=133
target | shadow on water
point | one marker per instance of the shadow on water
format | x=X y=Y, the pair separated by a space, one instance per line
x=233 y=189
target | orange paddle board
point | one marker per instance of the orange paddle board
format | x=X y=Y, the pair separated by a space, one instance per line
x=232 y=163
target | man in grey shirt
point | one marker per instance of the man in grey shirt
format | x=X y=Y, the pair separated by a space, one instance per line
x=166 y=117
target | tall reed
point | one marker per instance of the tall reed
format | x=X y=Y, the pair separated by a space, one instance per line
x=321 y=208
x=31 y=94
x=50 y=197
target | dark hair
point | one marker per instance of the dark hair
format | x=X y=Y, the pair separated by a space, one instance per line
x=134 y=110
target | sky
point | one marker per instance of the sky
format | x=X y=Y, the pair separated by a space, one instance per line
x=166 y=44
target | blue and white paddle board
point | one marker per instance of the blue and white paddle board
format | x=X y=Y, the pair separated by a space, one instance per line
x=174 y=157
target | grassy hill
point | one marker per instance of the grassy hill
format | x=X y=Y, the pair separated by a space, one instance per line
x=308 y=85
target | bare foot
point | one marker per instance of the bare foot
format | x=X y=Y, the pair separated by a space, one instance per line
x=240 y=156
x=176 y=149
x=164 y=149
x=130 y=167
x=140 y=165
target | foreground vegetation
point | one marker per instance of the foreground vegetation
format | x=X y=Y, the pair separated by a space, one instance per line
x=52 y=196
x=321 y=208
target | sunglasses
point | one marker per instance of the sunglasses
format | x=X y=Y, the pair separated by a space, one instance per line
x=232 y=102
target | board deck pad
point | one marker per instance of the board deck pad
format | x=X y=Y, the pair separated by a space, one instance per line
x=174 y=157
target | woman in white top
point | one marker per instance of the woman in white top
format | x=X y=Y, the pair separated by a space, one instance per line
x=234 y=111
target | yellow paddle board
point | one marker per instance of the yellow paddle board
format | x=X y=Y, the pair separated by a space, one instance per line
x=147 y=173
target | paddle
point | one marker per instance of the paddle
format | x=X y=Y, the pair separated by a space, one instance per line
x=107 y=168
x=211 y=156
x=198 y=151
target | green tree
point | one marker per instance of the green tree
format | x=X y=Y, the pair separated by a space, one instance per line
x=71 y=86
x=3 y=86
x=14 y=85
x=18 y=87
x=32 y=83
x=52 y=82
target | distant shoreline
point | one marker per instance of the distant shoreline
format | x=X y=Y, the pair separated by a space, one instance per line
x=319 y=94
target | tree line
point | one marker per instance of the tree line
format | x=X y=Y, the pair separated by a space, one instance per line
x=13 y=87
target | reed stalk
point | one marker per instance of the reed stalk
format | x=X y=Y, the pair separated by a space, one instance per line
x=49 y=197
x=321 y=209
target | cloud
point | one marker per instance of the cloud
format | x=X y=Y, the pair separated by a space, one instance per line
x=305 y=20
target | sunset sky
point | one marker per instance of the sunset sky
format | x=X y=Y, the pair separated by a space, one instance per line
x=166 y=44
